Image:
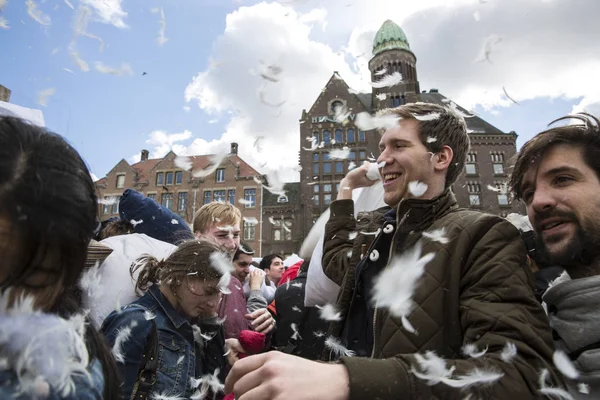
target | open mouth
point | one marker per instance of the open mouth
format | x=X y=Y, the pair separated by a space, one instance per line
x=390 y=178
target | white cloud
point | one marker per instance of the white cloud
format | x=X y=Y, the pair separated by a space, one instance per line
x=536 y=50
x=268 y=34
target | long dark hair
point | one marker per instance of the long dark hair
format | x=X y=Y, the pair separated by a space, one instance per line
x=48 y=202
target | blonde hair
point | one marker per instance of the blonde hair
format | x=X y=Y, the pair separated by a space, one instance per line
x=223 y=213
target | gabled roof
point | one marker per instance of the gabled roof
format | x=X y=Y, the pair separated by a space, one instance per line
x=336 y=76
x=475 y=124
x=144 y=168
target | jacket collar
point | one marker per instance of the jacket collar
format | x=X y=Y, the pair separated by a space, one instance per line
x=176 y=319
x=419 y=213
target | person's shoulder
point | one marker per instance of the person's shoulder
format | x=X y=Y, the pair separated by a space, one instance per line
x=136 y=314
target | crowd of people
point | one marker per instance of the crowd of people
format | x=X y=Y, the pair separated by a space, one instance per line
x=433 y=301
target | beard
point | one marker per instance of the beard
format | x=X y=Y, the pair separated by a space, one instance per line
x=579 y=257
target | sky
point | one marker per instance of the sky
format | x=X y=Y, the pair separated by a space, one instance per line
x=191 y=81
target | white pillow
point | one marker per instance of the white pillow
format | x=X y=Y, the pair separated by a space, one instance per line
x=115 y=280
x=320 y=289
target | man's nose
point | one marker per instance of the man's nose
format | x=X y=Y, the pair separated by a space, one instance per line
x=543 y=200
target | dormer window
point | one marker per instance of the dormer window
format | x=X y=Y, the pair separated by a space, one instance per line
x=282 y=199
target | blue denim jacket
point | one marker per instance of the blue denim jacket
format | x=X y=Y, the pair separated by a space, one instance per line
x=85 y=389
x=179 y=356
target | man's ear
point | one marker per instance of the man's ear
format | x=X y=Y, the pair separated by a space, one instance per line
x=443 y=159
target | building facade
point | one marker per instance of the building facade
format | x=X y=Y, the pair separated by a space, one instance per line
x=481 y=186
x=177 y=189
x=282 y=231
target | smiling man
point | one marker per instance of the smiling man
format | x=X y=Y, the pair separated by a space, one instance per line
x=475 y=295
x=557 y=175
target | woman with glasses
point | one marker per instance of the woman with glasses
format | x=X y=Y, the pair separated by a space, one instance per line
x=170 y=342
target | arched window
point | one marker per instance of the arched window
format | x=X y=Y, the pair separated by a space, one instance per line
x=335 y=105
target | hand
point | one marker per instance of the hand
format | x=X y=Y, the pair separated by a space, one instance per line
x=354 y=179
x=233 y=348
x=257 y=277
x=262 y=321
x=279 y=376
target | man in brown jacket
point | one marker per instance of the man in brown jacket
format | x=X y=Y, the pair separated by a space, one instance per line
x=469 y=324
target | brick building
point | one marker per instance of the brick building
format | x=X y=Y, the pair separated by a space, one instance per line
x=479 y=187
x=180 y=191
x=282 y=231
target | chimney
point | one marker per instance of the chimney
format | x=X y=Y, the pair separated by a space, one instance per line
x=145 y=154
x=4 y=94
x=234 y=148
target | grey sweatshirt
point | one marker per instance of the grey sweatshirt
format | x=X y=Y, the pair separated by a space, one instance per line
x=574 y=312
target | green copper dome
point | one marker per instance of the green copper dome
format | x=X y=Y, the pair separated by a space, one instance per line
x=390 y=37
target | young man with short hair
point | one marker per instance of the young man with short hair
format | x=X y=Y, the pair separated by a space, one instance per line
x=220 y=223
x=557 y=175
x=474 y=294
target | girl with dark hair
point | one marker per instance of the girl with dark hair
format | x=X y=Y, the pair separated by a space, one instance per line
x=170 y=342
x=48 y=211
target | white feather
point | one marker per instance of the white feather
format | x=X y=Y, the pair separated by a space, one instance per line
x=431 y=139
x=432 y=368
x=394 y=287
x=509 y=352
x=549 y=390
x=297 y=284
x=200 y=337
x=164 y=396
x=428 y=117
x=319 y=334
x=180 y=359
x=341 y=114
x=162 y=39
x=352 y=235
x=44 y=95
x=149 y=315
x=105 y=69
x=36 y=14
x=216 y=160
x=375 y=233
x=183 y=162
x=437 y=235
x=251 y=220
x=339 y=154
x=223 y=265
x=68 y=3
x=474 y=377
x=381 y=96
x=417 y=189
x=521 y=222
x=244 y=202
x=49 y=356
x=583 y=388
x=328 y=312
x=337 y=348
x=90 y=283
x=382 y=72
x=81 y=63
x=135 y=223
x=471 y=350
x=388 y=80
x=366 y=122
x=296 y=335
x=108 y=201
x=564 y=365
x=296 y=308
x=4 y=23
x=123 y=336
x=351 y=165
